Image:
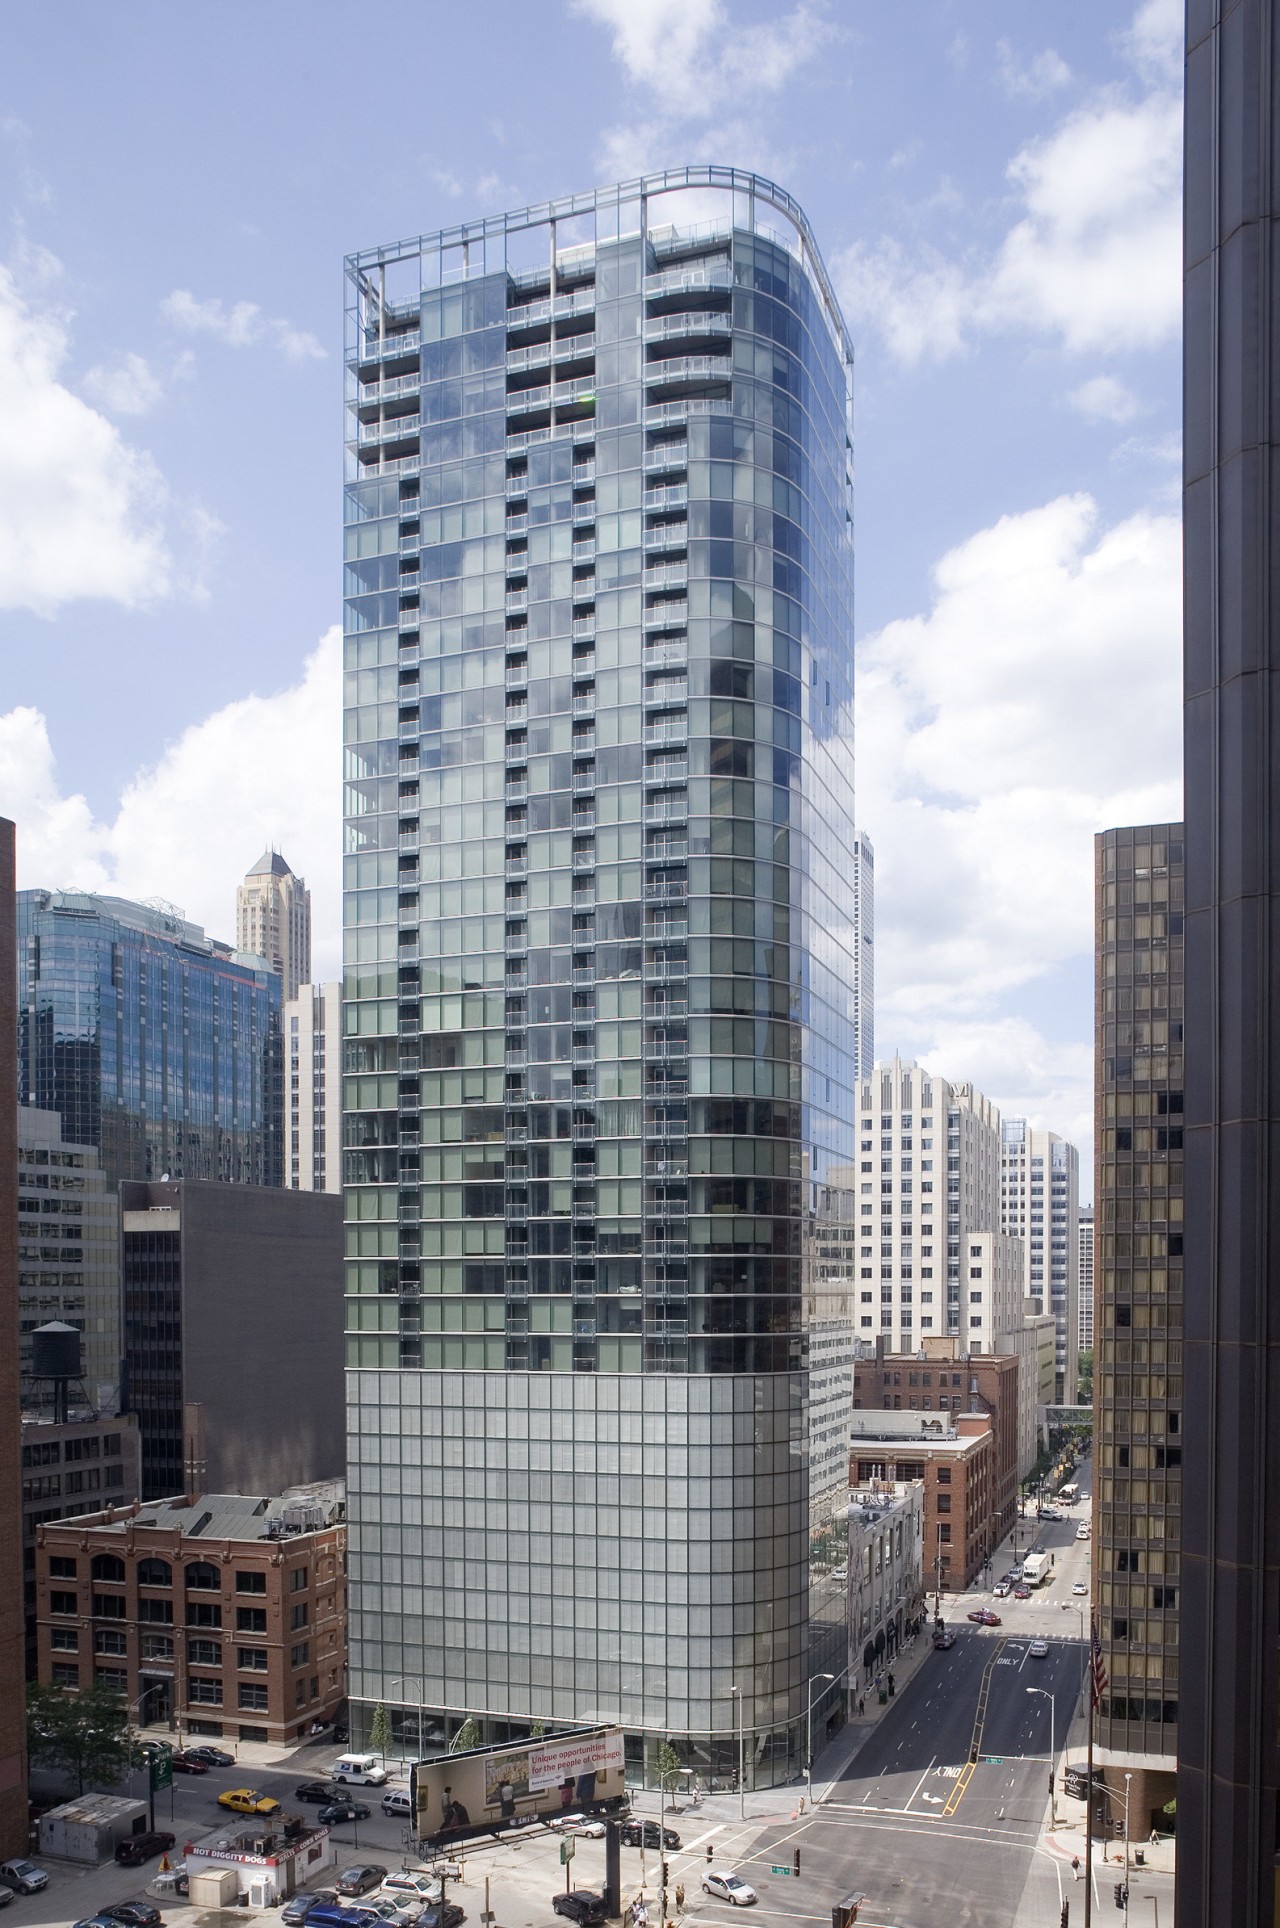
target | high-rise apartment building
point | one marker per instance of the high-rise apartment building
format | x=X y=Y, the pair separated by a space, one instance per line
x=1040 y=1206
x=312 y=1029
x=1137 y=1321
x=600 y=1035
x=13 y=1723
x=153 y=1043
x=273 y=920
x=1084 y=1267
x=68 y=1259
x=864 y=948
x=1229 y=1712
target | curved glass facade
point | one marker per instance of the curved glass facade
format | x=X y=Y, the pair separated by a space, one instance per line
x=600 y=970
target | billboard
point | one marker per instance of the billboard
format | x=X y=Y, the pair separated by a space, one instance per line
x=497 y=1787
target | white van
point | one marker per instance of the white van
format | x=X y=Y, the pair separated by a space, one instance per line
x=359 y=1767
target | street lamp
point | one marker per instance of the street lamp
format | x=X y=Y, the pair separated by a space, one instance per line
x=1053 y=1809
x=1127 y=1779
x=411 y=1680
x=808 y=1759
x=742 y=1782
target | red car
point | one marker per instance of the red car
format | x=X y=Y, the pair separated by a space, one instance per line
x=984 y=1617
x=184 y=1763
x=1022 y=1593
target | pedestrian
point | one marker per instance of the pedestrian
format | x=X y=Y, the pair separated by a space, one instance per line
x=1075 y=1867
x=862 y=1705
x=891 y=1690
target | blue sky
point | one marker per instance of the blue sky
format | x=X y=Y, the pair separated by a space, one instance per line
x=995 y=188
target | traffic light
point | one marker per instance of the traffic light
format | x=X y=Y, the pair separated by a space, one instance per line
x=708 y=1851
x=1119 y=1894
x=795 y=1864
x=1065 y=1917
x=666 y=1872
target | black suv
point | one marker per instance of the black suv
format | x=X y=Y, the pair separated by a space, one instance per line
x=581 y=1906
x=654 y=1837
x=137 y=1848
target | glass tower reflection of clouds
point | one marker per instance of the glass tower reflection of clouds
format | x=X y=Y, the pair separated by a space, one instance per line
x=600 y=1021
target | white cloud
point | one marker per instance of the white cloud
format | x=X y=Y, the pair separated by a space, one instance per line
x=1093 y=258
x=1032 y=79
x=127 y=386
x=1153 y=40
x=240 y=324
x=1105 y=399
x=264 y=769
x=80 y=510
x=1011 y=1062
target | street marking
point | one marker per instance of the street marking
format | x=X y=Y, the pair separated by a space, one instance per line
x=975 y=1744
x=920 y=1783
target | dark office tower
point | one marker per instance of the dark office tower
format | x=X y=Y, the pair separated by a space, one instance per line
x=154 y=1043
x=1137 y=1324
x=13 y=1735
x=600 y=1038
x=1227 y=1769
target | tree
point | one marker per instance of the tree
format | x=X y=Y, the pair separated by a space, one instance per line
x=380 y=1732
x=537 y=1728
x=85 y=1732
x=669 y=1766
x=468 y=1735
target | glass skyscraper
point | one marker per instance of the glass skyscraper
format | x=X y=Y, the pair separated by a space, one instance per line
x=153 y=1043
x=600 y=968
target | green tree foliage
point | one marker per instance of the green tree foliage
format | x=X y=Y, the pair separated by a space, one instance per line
x=380 y=1732
x=468 y=1735
x=86 y=1733
x=668 y=1764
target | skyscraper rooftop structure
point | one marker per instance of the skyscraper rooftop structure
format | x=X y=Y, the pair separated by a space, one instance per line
x=601 y=1037
x=273 y=920
x=154 y=1043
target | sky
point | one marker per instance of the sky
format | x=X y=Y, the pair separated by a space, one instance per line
x=995 y=188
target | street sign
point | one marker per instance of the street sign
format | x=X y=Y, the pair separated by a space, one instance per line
x=993 y=1760
x=567 y=1847
x=162 y=1770
x=777 y=1870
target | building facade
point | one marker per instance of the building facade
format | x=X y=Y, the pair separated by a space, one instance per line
x=153 y=1043
x=932 y=1258
x=312 y=1029
x=273 y=920
x=1040 y=1206
x=212 y=1613
x=864 y=947
x=1138 y=1302
x=886 y=1577
x=600 y=1032
x=1084 y=1248
x=71 y=1467
x=232 y=1330
x=68 y=1259
x=13 y=1722
x=954 y=1455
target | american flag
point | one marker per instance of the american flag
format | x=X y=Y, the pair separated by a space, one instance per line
x=1097 y=1665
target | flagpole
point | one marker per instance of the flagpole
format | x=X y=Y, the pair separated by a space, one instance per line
x=1088 y=1803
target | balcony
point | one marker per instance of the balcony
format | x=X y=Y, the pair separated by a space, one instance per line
x=517 y=788
x=666 y=890
x=517 y=487
x=666 y=458
x=391 y=345
x=410 y=545
x=408 y=839
x=584 y=628
x=664 y=536
x=584 y=551
x=584 y=783
x=517 y=867
x=667 y=809
x=584 y=861
x=667 y=414
x=517 y=676
x=584 y=474
x=517 y=601
x=672 y=496
x=583 y=302
x=667 y=655
x=537 y=355
x=683 y=281
x=692 y=321
x=672 y=614
x=395 y=429
x=584 y=515
x=670 y=692
x=517 y=525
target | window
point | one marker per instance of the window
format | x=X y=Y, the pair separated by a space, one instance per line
x=203 y=1574
x=108 y=1606
x=204 y=1653
x=203 y=1693
x=64 y=1673
x=155 y=1646
x=251 y=1619
x=61 y=1568
x=299 y=1615
x=251 y=1696
x=252 y=1659
x=299 y=1655
x=158 y=1612
x=64 y=1640
x=116 y=1678
x=155 y=1573
x=300 y=1691
x=110 y=1640
x=202 y=1613
x=106 y=1566
x=251 y=1583
x=298 y=1579
x=64 y=1603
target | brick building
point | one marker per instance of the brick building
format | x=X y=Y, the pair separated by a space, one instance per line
x=70 y=1468
x=954 y=1455
x=215 y=1614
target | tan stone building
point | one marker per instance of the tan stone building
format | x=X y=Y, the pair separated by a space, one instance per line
x=213 y=1614
x=273 y=920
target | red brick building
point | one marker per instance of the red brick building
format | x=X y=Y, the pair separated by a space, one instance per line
x=222 y=1614
x=954 y=1455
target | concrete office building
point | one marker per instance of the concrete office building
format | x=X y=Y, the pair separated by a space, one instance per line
x=886 y=1577
x=13 y=1724
x=932 y=1258
x=68 y=1259
x=273 y=920
x=71 y=1467
x=232 y=1333
x=1040 y=1206
x=312 y=1028
x=153 y=1043
x=601 y=862
x=1229 y=1706
x=1084 y=1262
x=1138 y=1304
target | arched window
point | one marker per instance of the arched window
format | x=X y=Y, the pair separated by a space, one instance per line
x=203 y=1573
x=155 y=1573
x=107 y=1567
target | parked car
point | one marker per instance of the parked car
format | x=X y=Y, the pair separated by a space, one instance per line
x=134 y=1914
x=402 y=1911
x=412 y=1882
x=396 y=1801
x=247 y=1800
x=359 y=1880
x=211 y=1756
x=1039 y=1649
x=24 y=1877
x=984 y=1617
x=334 y=1813
x=1002 y=1589
x=184 y=1762
x=152 y=1750
x=579 y=1905
x=298 y=1907
x=137 y=1848
x=318 y=1792
x=6 y=1896
x=94 y=1921
x=654 y=1837
x=1022 y=1591
x=729 y=1887
x=442 y=1914
x=1084 y=1531
x=582 y=1824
